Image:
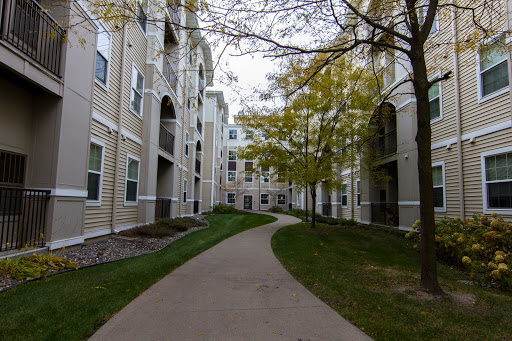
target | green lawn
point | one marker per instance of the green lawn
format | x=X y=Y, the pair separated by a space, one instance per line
x=73 y=305
x=369 y=278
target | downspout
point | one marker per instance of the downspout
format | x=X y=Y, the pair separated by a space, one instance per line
x=183 y=142
x=214 y=155
x=459 y=118
x=119 y=135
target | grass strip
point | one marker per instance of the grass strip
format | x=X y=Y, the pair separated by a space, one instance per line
x=73 y=305
x=371 y=278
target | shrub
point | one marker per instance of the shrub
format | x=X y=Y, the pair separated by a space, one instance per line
x=275 y=209
x=165 y=227
x=482 y=244
x=327 y=220
x=34 y=266
x=224 y=209
x=347 y=222
x=300 y=213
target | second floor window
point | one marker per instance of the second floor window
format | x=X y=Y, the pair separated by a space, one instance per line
x=102 y=56
x=434 y=97
x=231 y=176
x=141 y=14
x=493 y=67
x=232 y=155
x=232 y=134
x=137 y=92
x=265 y=174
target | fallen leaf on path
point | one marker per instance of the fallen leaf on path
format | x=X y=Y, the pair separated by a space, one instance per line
x=294 y=295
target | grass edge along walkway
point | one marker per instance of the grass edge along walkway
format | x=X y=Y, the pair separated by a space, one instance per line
x=369 y=277
x=73 y=305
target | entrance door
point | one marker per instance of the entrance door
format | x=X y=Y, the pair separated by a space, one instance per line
x=247 y=202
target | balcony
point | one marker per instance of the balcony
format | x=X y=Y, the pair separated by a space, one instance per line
x=198 y=166
x=166 y=140
x=22 y=217
x=386 y=144
x=170 y=74
x=384 y=213
x=29 y=28
x=199 y=126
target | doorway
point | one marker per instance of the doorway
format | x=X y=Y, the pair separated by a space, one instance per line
x=247 y=202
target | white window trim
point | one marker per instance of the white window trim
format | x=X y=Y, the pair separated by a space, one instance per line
x=236 y=134
x=486 y=209
x=358 y=193
x=228 y=176
x=437 y=76
x=435 y=22
x=341 y=193
x=145 y=34
x=231 y=150
x=227 y=198
x=184 y=198
x=134 y=66
x=262 y=178
x=97 y=203
x=482 y=99
x=104 y=86
x=268 y=194
x=187 y=147
x=437 y=164
x=136 y=202
x=283 y=199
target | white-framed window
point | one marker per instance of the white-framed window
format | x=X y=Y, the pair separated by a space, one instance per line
x=248 y=171
x=142 y=17
x=131 y=189
x=264 y=198
x=95 y=172
x=265 y=174
x=281 y=199
x=231 y=175
x=185 y=184
x=493 y=69
x=249 y=134
x=358 y=192
x=233 y=133
x=232 y=155
x=435 y=97
x=137 y=93
x=103 y=56
x=344 y=195
x=298 y=198
x=438 y=179
x=264 y=134
x=497 y=180
x=187 y=138
x=231 y=198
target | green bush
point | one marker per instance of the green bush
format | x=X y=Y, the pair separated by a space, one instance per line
x=224 y=209
x=275 y=209
x=347 y=222
x=165 y=227
x=327 y=220
x=482 y=244
x=34 y=266
x=301 y=213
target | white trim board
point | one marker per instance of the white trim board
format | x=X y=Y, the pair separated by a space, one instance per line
x=58 y=244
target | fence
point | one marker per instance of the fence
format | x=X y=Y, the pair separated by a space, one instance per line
x=166 y=140
x=162 y=208
x=384 y=213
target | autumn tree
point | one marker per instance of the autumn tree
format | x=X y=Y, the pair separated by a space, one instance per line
x=304 y=136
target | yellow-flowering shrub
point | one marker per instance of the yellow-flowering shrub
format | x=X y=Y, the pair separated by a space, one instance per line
x=482 y=244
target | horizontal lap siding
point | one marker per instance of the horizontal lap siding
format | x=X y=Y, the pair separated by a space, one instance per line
x=450 y=159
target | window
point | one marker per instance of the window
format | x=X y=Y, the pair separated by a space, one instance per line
x=265 y=174
x=281 y=199
x=422 y=13
x=498 y=181
x=132 y=180
x=493 y=68
x=232 y=155
x=95 y=172
x=141 y=15
x=12 y=168
x=231 y=176
x=184 y=191
x=136 y=98
x=232 y=134
x=264 y=199
x=187 y=137
x=249 y=135
x=434 y=97
x=358 y=190
x=264 y=134
x=344 y=195
x=102 y=56
x=231 y=198
x=439 y=188
x=248 y=171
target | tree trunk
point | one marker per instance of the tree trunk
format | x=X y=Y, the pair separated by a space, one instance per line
x=423 y=139
x=313 y=209
x=306 y=196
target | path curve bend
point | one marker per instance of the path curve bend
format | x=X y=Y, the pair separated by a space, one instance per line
x=237 y=290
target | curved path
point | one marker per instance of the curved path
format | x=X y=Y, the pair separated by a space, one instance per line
x=237 y=290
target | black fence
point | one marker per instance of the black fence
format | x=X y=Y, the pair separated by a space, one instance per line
x=386 y=144
x=162 y=208
x=29 y=28
x=198 y=166
x=166 y=140
x=22 y=217
x=384 y=213
x=170 y=75
x=199 y=126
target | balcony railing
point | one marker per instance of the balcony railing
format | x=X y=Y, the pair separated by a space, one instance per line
x=199 y=126
x=175 y=14
x=198 y=166
x=29 y=28
x=196 y=206
x=386 y=144
x=166 y=140
x=384 y=213
x=162 y=208
x=169 y=74
x=22 y=217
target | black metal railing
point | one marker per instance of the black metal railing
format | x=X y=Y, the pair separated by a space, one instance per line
x=162 y=208
x=196 y=206
x=22 y=217
x=29 y=28
x=326 y=209
x=199 y=126
x=386 y=144
x=384 y=213
x=170 y=74
x=166 y=140
x=198 y=166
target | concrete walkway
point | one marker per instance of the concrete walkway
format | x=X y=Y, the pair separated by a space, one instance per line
x=236 y=290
